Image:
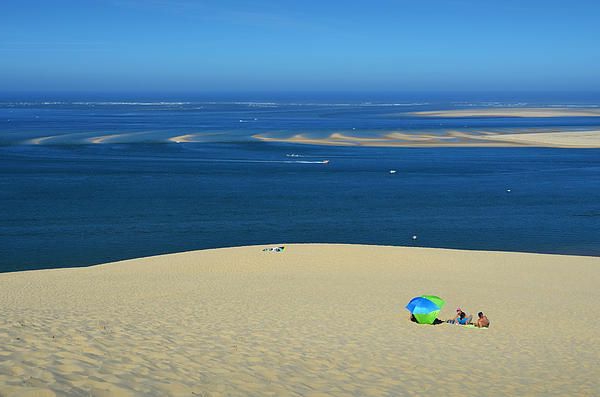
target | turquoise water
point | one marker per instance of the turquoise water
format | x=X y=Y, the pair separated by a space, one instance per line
x=66 y=202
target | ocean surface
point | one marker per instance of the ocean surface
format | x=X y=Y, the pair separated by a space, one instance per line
x=91 y=181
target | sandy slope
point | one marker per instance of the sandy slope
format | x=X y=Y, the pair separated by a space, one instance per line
x=312 y=320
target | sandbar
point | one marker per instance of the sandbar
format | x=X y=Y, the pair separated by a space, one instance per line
x=450 y=138
x=513 y=112
x=194 y=137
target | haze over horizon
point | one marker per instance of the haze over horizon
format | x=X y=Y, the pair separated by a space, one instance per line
x=225 y=46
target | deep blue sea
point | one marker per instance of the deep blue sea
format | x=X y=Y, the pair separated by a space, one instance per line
x=97 y=180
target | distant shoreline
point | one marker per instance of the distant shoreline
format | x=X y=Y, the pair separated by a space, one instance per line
x=512 y=112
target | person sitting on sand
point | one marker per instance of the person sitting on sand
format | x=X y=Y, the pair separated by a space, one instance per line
x=462 y=318
x=482 y=321
x=458 y=319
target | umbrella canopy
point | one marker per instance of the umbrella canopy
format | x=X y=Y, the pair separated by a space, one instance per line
x=425 y=308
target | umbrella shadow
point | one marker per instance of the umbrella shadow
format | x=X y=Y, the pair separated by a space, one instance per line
x=437 y=321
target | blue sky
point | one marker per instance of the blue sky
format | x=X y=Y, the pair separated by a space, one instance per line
x=281 y=45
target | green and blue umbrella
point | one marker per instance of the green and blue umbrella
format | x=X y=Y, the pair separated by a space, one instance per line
x=425 y=308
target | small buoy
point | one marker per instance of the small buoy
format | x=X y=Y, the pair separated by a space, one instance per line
x=392 y=171
x=414 y=237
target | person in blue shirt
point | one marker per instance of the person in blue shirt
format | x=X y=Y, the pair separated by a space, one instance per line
x=462 y=318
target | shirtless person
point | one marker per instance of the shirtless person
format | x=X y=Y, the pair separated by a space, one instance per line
x=482 y=321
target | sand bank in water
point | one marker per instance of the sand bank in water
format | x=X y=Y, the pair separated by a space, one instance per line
x=312 y=320
x=513 y=112
x=195 y=137
x=561 y=139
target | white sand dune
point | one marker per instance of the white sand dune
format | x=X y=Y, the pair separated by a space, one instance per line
x=313 y=320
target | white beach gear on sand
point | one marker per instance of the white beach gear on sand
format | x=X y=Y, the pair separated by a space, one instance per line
x=274 y=249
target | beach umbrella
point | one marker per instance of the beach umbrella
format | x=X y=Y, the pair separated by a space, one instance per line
x=425 y=308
